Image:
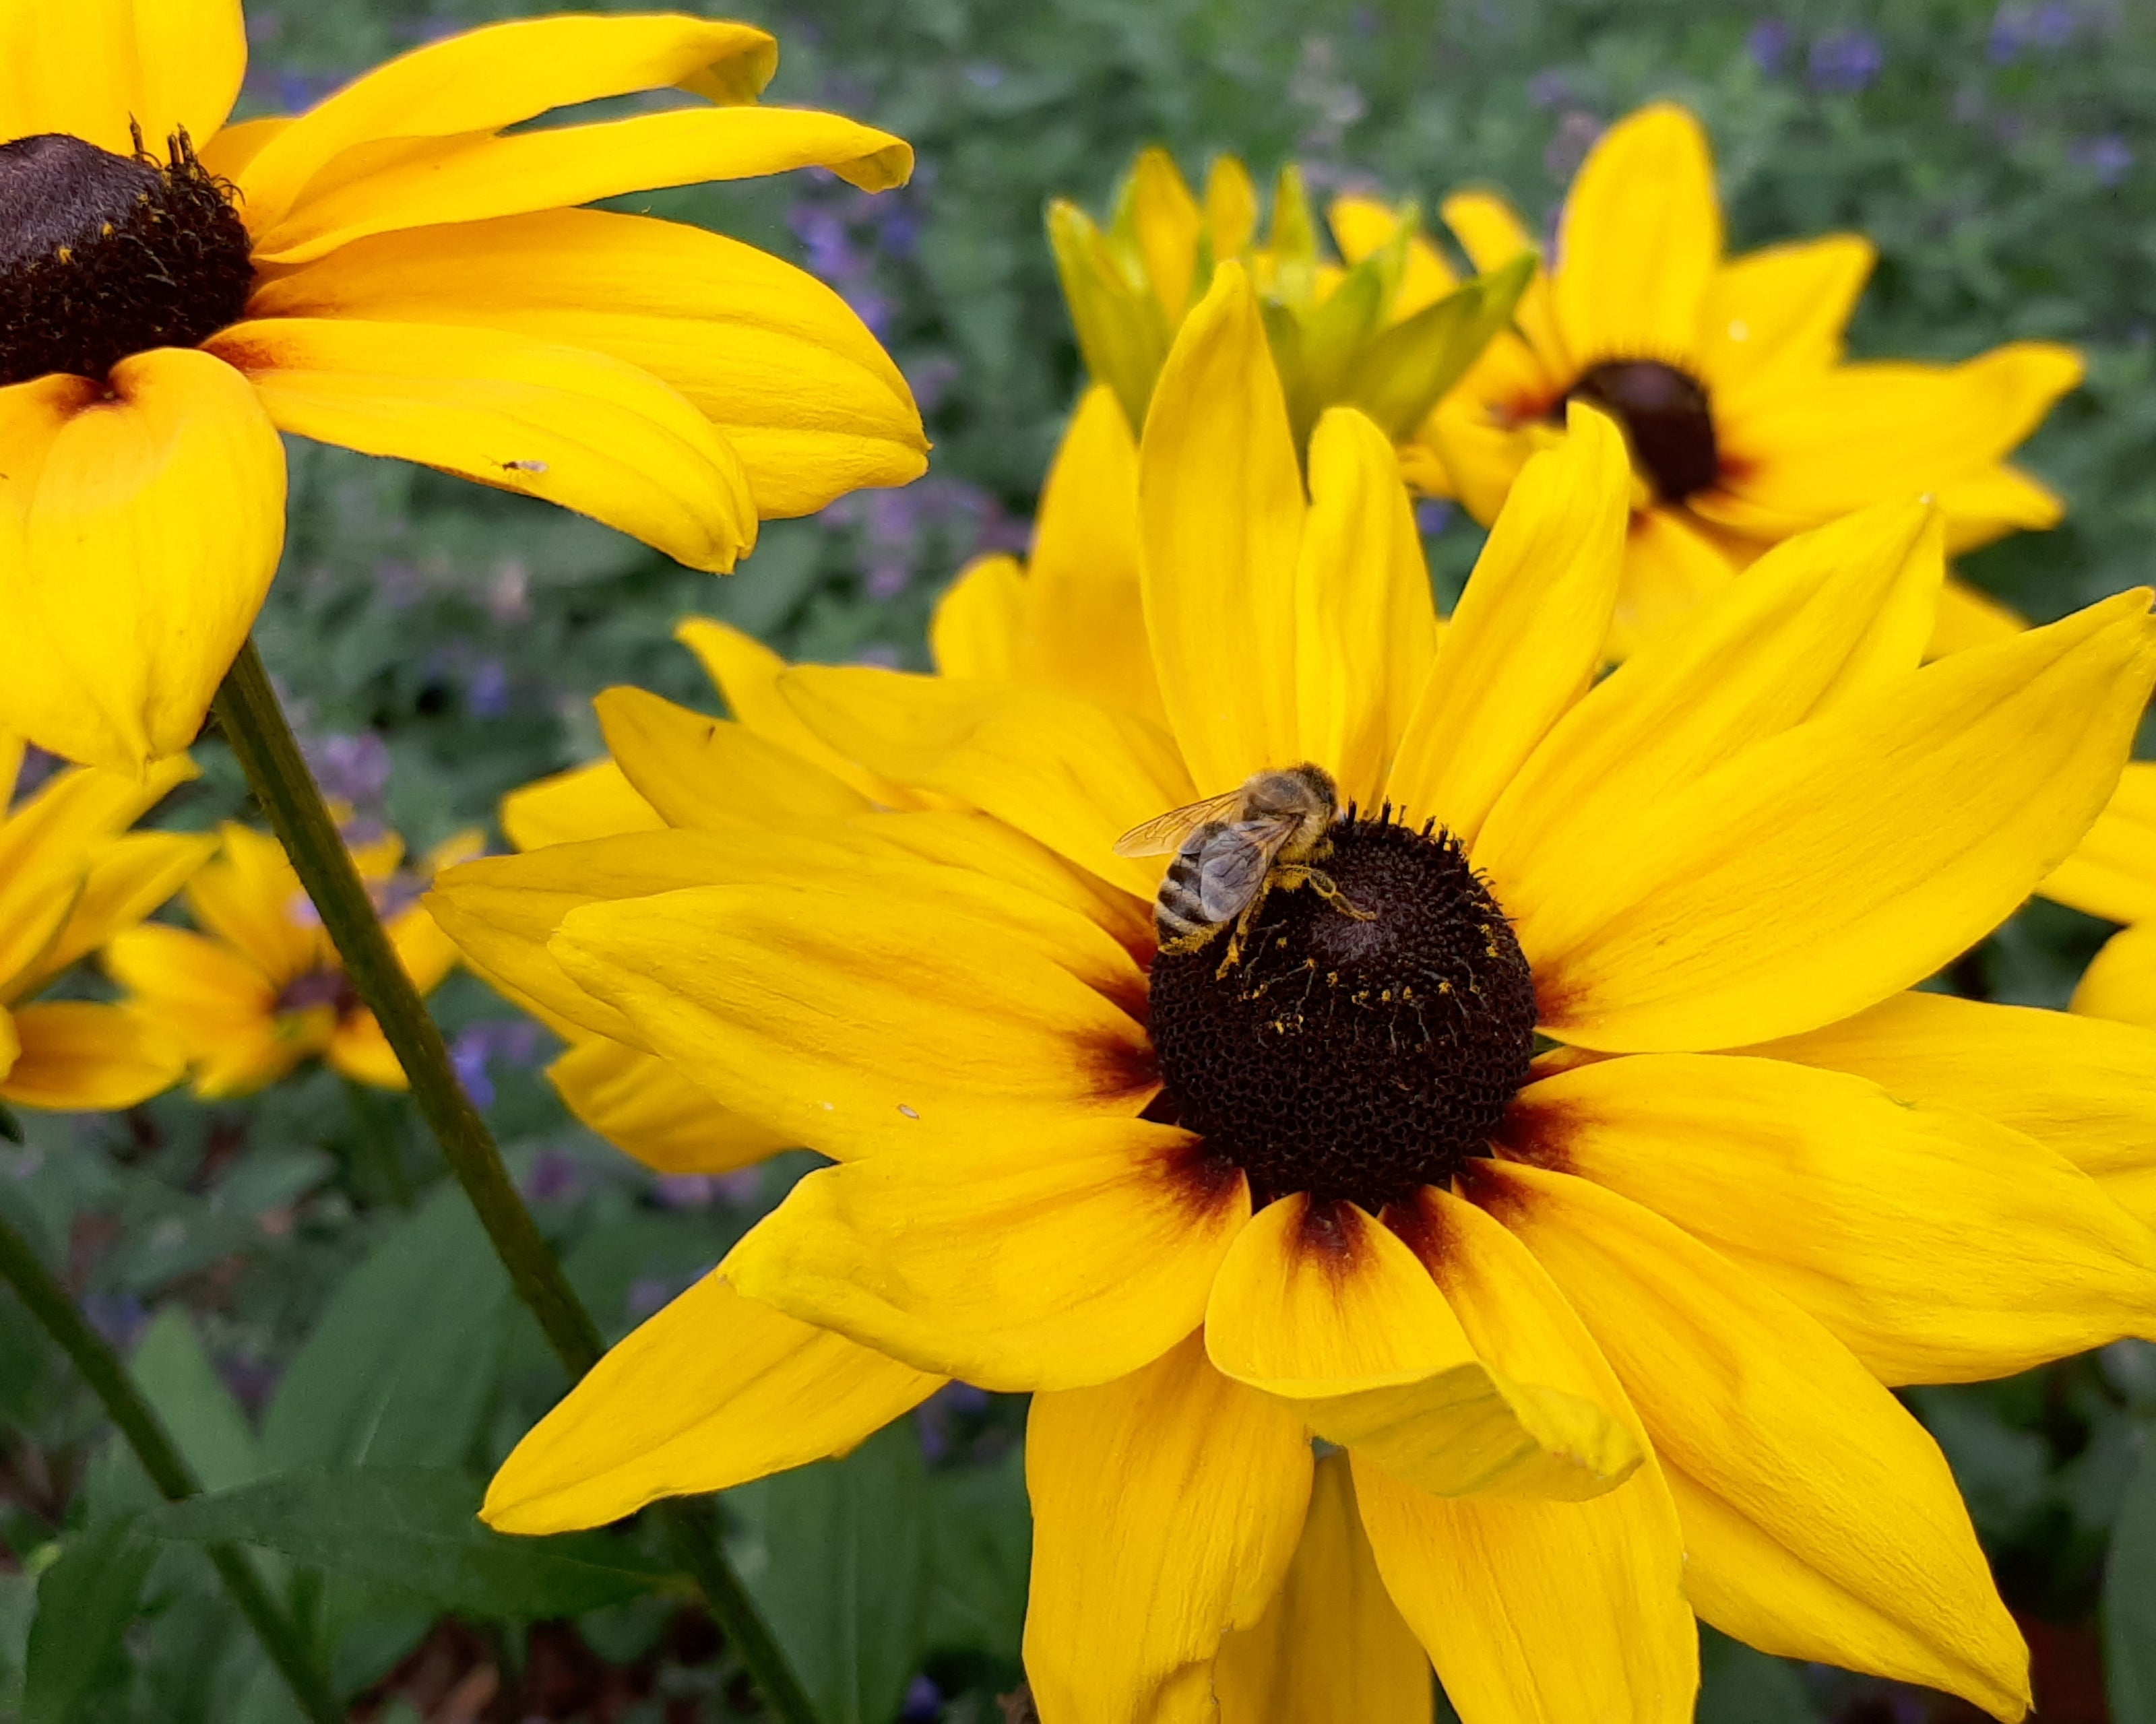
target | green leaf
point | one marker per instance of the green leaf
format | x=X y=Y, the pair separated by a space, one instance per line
x=980 y=1548
x=178 y=1379
x=2129 y=1601
x=398 y=1371
x=1738 y=1685
x=837 y=1554
x=1399 y=377
x=85 y=1601
x=415 y=1528
x=1122 y=334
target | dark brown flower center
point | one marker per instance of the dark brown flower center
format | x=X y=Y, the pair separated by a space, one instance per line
x=320 y=988
x=1346 y=1058
x=104 y=255
x=1664 y=412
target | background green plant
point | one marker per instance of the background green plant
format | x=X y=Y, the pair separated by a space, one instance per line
x=344 y=1370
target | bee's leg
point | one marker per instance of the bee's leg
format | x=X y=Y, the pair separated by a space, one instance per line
x=1197 y=940
x=1322 y=886
x=1242 y=927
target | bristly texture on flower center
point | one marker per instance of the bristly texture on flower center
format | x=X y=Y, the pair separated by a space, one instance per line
x=1664 y=412
x=102 y=256
x=1348 y=1058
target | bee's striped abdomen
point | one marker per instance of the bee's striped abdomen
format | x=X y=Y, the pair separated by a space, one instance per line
x=1177 y=912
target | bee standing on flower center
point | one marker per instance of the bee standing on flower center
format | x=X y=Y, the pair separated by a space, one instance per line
x=1233 y=848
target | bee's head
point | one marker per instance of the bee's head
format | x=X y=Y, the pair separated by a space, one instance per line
x=1304 y=792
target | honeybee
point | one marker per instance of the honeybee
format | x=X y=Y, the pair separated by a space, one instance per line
x=1232 y=849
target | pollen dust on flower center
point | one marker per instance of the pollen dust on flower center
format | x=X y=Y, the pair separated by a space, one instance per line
x=104 y=255
x=1352 y=1057
x=1666 y=417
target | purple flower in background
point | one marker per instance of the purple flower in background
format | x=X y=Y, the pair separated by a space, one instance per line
x=2108 y=158
x=685 y=1191
x=1433 y=515
x=513 y=1040
x=1844 y=62
x=351 y=766
x=554 y=1178
x=1576 y=134
x=1768 y=43
x=468 y=1054
x=487 y=693
x=646 y=1293
x=1549 y=89
x=37 y=767
x=924 y=1702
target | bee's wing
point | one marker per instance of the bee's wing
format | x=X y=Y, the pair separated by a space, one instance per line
x=1233 y=864
x=1164 y=834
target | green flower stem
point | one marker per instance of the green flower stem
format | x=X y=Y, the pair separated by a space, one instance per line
x=253 y=723
x=49 y=1301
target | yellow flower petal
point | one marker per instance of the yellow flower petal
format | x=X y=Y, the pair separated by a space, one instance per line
x=215 y=1005
x=1992 y=501
x=1084 y=631
x=129 y=877
x=747 y=673
x=975 y=632
x=643 y=1106
x=392 y=186
x=1672 y=569
x=564 y=423
x=359 y=1051
x=1820 y=1521
x=1878 y=431
x=1166 y=1509
x=1365 y=624
x=1640 y=241
x=1361 y=225
x=252 y=900
x=1074 y=776
x=1970 y=617
x=1527 y=635
x=1778 y=313
x=1231 y=207
x=791 y=377
x=1069 y=1261
x=2086 y=1090
x=1166 y=221
x=1888 y=835
x=2120 y=984
x=483 y=79
x=1330 y=1646
x=142 y=520
x=1937 y=1246
x=1838 y=612
x=2113 y=873
x=89 y=69
x=1324 y=1306
x=1536 y=1610
x=61 y=871
x=860 y=1019
x=594 y=801
x=702 y=772
x=77 y=1054
x=1493 y=234
x=712 y=1392
x=1221 y=507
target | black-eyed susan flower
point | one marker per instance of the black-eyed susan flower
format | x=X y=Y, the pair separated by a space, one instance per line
x=72 y=875
x=403 y=269
x=1389 y=332
x=1745 y=424
x=256 y=987
x=1606 y=1331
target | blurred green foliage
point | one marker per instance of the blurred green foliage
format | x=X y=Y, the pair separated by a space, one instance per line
x=439 y=644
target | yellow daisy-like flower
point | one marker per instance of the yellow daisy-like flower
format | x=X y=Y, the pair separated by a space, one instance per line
x=398 y=271
x=1606 y=1332
x=1388 y=334
x=2113 y=875
x=1744 y=423
x=260 y=988
x=71 y=877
